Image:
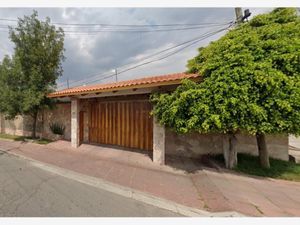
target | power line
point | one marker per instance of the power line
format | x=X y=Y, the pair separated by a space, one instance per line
x=120 y=25
x=192 y=42
x=164 y=57
x=81 y=80
x=152 y=55
x=137 y=25
x=135 y=28
x=91 y=32
x=95 y=32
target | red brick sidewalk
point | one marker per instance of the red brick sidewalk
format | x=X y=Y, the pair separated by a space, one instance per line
x=202 y=188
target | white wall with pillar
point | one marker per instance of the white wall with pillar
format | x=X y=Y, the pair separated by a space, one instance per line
x=159 y=145
x=75 y=108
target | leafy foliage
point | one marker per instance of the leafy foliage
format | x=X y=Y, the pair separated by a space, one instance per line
x=57 y=128
x=30 y=74
x=251 y=81
x=11 y=94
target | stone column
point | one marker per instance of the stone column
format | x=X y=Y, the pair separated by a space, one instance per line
x=158 y=143
x=75 y=122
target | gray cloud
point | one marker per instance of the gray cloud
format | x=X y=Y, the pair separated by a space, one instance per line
x=88 y=54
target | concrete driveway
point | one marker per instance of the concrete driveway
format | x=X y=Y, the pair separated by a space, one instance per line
x=29 y=191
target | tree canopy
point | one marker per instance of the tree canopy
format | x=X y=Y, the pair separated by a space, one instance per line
x=31 y=73
x=251 y=81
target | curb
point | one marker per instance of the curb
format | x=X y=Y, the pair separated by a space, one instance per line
x=125 y=191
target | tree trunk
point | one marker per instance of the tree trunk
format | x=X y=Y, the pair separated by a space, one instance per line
x=263 y=150
x=229 y=150
x=34 y=117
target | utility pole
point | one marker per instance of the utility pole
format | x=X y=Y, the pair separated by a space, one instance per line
x=68 y=82
x=116 y=72
x=239 y=15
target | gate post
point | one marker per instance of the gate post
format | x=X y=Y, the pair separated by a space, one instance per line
x=75 y=122
x=158 y=143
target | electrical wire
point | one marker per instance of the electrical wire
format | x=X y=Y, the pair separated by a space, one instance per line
x=152 y=55
x=161 y=58
x=95 y=32
x=191 y=42
x=121 y=25
x=134 y=28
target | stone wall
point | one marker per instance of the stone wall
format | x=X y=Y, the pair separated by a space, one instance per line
x=23 y=125
x=19 y=126
x=60 y=114
x=194 y=145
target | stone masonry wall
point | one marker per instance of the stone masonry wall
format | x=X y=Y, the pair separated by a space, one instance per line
x=19 y=126
x=23 y=125
x=60 y=114
x=194 y=145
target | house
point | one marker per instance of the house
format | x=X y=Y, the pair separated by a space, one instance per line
x=118 y=114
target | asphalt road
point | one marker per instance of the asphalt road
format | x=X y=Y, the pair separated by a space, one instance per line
x=26 y=190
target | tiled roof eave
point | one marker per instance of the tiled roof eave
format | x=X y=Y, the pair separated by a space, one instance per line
x=125 y=85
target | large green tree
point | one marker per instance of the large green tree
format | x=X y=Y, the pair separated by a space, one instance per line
x=251 y=84
x=31 y=73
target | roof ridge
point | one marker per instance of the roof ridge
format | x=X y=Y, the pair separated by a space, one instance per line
x=124 y=83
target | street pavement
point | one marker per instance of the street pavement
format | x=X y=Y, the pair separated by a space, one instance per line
x=209 y=191
x=32 y=192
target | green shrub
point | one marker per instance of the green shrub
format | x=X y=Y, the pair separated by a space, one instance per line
x=57 y=128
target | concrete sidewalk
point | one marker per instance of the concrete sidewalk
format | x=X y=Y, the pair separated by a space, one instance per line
x=183 y=182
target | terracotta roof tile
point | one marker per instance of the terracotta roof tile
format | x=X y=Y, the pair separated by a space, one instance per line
x=147 y=81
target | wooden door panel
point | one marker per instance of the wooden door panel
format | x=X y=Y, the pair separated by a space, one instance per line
x=123 y=123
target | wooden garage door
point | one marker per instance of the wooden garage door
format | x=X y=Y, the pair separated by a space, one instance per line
x=123 y=123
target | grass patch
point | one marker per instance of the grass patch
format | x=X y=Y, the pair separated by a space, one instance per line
x=42 y=141
x=279 y=169
x=12 y=137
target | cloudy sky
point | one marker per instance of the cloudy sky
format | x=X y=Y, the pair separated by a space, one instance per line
x=90 y=57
